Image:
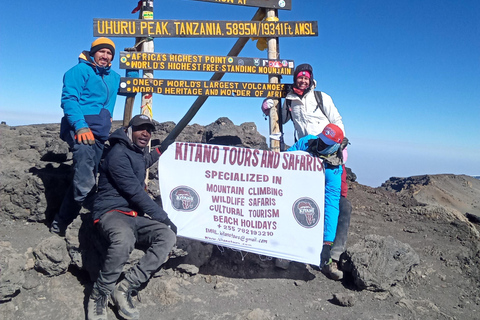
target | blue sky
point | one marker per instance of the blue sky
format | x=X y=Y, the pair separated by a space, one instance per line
x=405 y=75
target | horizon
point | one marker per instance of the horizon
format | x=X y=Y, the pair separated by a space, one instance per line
x=404 y=76
x=119 y=121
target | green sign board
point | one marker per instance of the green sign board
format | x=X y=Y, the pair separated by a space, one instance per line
x=194 y=62
x=202 y=29
x=202 y=88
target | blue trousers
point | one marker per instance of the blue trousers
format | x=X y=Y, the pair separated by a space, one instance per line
x=122 y=232
x=333 y=184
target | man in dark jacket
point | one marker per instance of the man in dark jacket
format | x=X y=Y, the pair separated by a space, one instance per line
x=119 y=215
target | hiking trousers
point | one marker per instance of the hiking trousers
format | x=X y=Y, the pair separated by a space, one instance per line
x=340 y=242
x=122 y=233
x=85 y=166
x=333 y=182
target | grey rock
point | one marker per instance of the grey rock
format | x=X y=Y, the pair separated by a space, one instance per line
x=224 y=132
x=11 y=271
x=199 y=253
x=344 y=299
x=188 y=268
x=52 y=256
x=377 y=262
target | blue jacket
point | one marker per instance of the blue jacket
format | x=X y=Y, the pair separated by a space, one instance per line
x=333 y=182
x=302 y=143
x=121 y=185
x=88 y=98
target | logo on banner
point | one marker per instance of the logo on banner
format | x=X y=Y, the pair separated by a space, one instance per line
x=306 y=212
x=184 y=199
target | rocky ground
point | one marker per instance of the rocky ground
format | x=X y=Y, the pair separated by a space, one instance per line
x=413 y=251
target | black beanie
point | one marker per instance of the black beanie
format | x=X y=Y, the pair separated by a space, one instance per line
x=303 y=67
x=102 y=43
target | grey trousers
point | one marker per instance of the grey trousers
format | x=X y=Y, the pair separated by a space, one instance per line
x=122 y=232
x=85 y=166
x=343 y=225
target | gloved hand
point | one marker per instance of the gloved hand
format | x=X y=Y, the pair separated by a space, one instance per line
x=85 y=136
x=345 y=155
x=343 y=147
x=172 y=226
x=325 y=255
x=266 y=106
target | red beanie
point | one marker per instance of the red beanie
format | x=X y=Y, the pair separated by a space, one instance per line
x=304 y=73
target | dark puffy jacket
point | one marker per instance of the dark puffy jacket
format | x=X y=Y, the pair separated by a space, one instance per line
x=121 y=185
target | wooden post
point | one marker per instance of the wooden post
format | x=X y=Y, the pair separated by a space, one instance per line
x=237 y=47
x=145 y=13
x=273 y=53
x=147 y=46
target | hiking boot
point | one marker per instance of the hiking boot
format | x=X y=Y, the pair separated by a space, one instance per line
x=56 y=229
x=330 y=269
x=122 y=298
x=97 y=306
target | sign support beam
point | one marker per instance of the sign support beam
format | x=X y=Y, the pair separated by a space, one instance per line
x=236 y=49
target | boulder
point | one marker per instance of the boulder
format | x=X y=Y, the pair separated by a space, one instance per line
x=51 y=256
x=377 y=263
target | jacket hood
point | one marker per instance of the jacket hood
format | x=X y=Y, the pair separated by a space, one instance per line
x=120 y=136
x=85 y=57
x=303 y=67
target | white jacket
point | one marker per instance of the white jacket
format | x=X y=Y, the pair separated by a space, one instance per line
x=307 y=118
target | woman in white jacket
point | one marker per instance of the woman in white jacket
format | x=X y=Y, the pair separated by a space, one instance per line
x=310 y=113
x=302 y=107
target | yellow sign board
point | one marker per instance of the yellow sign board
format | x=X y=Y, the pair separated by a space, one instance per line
x=194 y=62
x=202 y=29
x=202 y=88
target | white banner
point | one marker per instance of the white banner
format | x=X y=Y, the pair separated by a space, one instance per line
x=252 y=200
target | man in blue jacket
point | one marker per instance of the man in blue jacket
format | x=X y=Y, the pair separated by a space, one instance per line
x=125 y=215
x=88 y=99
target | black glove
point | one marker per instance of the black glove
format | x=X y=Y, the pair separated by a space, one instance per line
x=325 y=255
x=172 y=226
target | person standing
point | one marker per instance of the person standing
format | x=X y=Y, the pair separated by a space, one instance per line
x=310 y=113
x=88 y=98
x=125 y=215
x=302 y=107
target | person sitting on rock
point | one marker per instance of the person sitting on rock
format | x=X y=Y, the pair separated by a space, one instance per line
x=328 y=145
x=125 y=215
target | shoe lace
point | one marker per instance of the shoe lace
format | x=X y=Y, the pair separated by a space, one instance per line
x=130 y=292
x=100 y=304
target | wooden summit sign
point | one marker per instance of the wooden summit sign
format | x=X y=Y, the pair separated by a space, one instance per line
x=273 y=4
x=202 y=28
x=194 y=62
x=202 y=88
